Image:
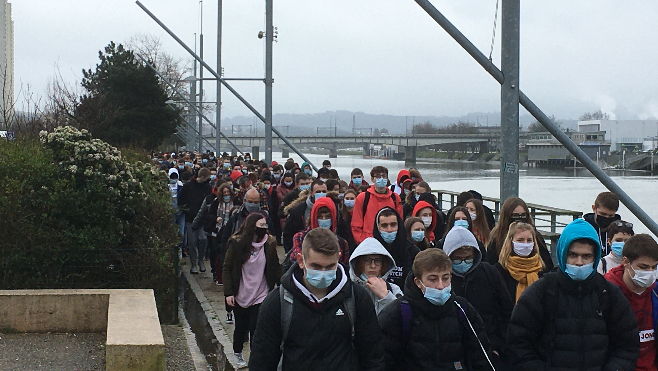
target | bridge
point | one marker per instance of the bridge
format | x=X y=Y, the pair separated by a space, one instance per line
x=406 y=144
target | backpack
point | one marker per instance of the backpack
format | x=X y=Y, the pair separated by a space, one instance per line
x=367 y=198
x=287 y=299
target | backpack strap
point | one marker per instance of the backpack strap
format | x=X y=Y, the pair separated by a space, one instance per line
x=286 y=299
x=604 y=265
x=350 y=308
x=367 y=198
x=405 y=308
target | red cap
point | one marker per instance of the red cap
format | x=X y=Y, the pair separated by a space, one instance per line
x=235 y=175
x=274 y=163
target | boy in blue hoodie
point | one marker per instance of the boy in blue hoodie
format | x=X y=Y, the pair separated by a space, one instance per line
x=574 y=319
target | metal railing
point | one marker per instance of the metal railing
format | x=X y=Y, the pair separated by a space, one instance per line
x=548 y=220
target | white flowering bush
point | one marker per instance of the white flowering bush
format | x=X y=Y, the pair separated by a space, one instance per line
x=79 y=215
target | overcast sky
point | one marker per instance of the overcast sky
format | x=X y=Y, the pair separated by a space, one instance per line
x=375 y=56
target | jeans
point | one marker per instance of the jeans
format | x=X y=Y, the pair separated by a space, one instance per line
x=196 y=243
x=245 y=321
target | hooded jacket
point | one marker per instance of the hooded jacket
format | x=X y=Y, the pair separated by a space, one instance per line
x=429 y=232
x=560 y=324
x=642 y=306
x=376 y=202
x=370 y=246
x=192 y=196
x=602 y=234
x=319 y=333
x=397 y=187
x=401 y=249
x=483 y=287
x=295 y=220
x=440 y=338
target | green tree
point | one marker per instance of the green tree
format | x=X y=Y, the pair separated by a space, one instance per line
x=124 y=103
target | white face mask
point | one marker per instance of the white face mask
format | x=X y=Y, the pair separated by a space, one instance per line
x=644 y=278
x=522 y=248
x=473 y=216
x=427 y=221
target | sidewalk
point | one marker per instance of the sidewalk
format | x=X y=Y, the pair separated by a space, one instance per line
x=216 y=310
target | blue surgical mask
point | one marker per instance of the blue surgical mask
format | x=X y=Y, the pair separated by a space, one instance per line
x=205 y=161
x=320 y=195
x=227 y=198
x=324 y=223
x=417 y=196
x=381 y=182
x=357 y=181
x=213 y=177
x=364 y=277
x=341 y=196
x=579 y=273
x=277 y=176
x=251 y=207
x=226 y=165
x=617 y=247
x=388 y=237
x=304 y=187
x=436 y=296
x=181 y=167
x=308 y=172
x=173 y=181
x=463 y=266
x=417 y=235
x=187 y=163
x=320 y=279
x=349 y=203
x=461 y=223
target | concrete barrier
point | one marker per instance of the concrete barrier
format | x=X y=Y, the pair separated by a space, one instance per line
x=129 y=317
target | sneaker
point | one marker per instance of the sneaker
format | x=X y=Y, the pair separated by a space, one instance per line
x=229 y=317
x=202 y=266
x=194 y=270
x=241 y=363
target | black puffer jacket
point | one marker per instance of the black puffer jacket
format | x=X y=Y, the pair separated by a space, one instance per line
x=564 y=325
x=403 y=251
x=191 y=197
x=319 y=335
x=440 y=339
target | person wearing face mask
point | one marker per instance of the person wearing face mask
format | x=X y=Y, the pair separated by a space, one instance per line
x=481 y=229
x=618 y=233
x=429 y=328
x=514 y=209
x=389 y=230
x=302 y=183
x=415 y=228
x=357 y=179
x=369 y=203
x=428 y=214
x=250 y=271
x=190 y=200
x=299 y=211
x=370 y=265
x=402 y=176
x=483 y=286
x=604 y=213
x=323 y=215
x=345 y=208
x=573 y=318
x=175 y=187
x=460 y=217
x=419 y=188
x=307 y=169
x=520 y=263
x=220 y=212
x=318 y=318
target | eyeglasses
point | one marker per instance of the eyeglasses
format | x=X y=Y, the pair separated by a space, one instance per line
x=619 y=223
x=378 y=261
x=467 y=261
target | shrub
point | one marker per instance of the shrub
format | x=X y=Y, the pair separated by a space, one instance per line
x=78 y=215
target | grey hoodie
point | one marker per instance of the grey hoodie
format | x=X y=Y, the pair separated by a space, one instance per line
x=371 y=246
x=459 y=237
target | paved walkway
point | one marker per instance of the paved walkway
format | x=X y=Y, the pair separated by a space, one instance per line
x=216 y=308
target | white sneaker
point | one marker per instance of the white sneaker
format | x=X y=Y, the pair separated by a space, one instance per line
x=241 y=363
x=194 y=270
x=202 y=266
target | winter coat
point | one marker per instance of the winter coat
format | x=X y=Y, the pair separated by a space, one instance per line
x=401 y=249
x=483 y=287
x=295 y=221
x=191 y=197
x=440 y=338
x=560 y=324
x=282 y=190
x=319 y=333
x=232 y=269
x=371 y=246
x=376 y=201
x=287 y=200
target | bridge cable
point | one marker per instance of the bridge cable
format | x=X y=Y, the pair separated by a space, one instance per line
x=493 y=36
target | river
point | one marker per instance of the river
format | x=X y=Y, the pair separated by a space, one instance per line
x=564 y=189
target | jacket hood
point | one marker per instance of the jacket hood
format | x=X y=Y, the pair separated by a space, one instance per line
x=370 y=246
x=173 y=170
x=324 y=202
x=402 y=232
x=304 y=165
x=429 y=232
x=577 y=229
x=401 y=174
x=459 y=237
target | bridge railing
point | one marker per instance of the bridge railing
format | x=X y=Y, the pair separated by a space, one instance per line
x=548 y=220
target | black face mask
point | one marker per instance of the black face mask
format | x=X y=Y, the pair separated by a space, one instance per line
x=518 y=219
x=604 y=221
x=260 y=233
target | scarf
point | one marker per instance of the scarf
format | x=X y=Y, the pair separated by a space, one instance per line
x=525 y=270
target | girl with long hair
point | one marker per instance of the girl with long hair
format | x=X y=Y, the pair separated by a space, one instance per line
x=480 y=226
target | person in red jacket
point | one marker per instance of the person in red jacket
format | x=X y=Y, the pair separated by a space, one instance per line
x=637 y=279
x=427 y=213
x=368 y=204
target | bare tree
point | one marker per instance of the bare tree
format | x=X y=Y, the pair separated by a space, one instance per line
x=596 y=115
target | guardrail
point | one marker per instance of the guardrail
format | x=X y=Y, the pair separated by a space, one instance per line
x=548 y=220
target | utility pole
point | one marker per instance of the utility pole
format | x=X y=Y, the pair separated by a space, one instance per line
x=509 y=100
x=218 y=114
x=269 y=39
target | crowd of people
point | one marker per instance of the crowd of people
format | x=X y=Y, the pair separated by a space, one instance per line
x=378 y=276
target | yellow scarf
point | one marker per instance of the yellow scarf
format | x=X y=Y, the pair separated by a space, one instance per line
x=525 y=270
